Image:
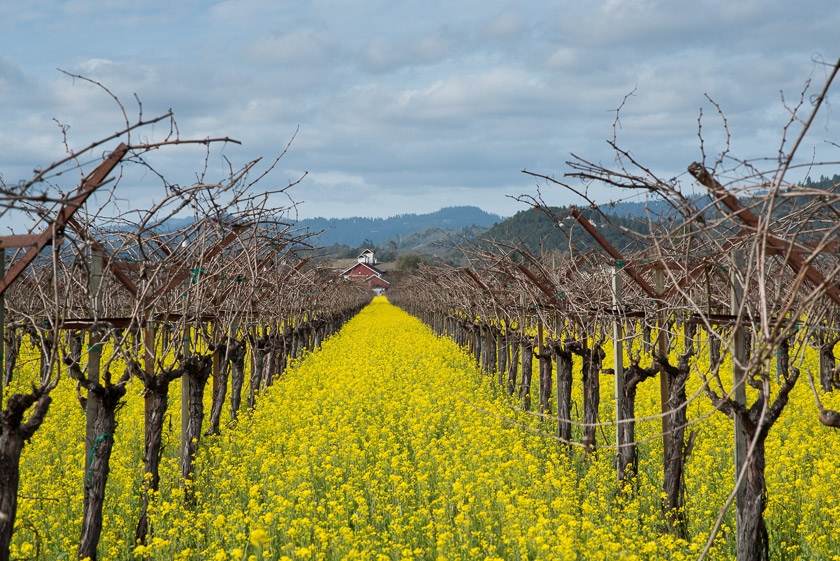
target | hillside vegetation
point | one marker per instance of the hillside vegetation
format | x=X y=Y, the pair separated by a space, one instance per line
x=434 y=236
x=537 y=230
x=358 y=231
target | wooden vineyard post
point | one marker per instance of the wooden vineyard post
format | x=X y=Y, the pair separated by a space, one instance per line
x=618 y=360
x=821 y=365
x=490 y=343
x=562 y=428
x=252 y=348
x=217 y=359
x=825 y=351
x=149 y=364
x=94 y=354
x=185 y=393
x=782 y=360
x=481 y=348
x=281 y=356
x=526 y=356
x=501 y=355
x=738 y=375
x=658 y=295
x=521 y=342
x=544 y=370
x=711 y=341
x=186 y=353
x=662 y=349
x=149 y=347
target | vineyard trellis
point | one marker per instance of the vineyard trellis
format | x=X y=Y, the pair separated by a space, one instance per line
x=747 y=275
x=750 y=282
x=105 y=300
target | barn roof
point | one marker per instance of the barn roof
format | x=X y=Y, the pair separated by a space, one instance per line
x=371 y=268
x=376 y=281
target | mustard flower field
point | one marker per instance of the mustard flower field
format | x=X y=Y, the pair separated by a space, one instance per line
x=388 y=443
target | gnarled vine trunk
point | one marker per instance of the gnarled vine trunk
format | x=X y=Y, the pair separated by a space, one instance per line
x=96 y=477
x=317 y=335
x=197 y=369
x=674 y=475
x=477 y=346
x=156 y=396
x=41 y=340
x=14 y=433
x=259 y=347
x=545 y=381
x=628 y=459
x=12 y=341
x=274 y=363
x=714 y=349
x=513 y=365
x=501 y=357
x=564 y=392
x=220 y=392
x=590 y=371
x=755 y=425
x=527 y=367
x=100 y=427
x=236 y=356
x=277 y=350
x=828 y=372
x=490 y=351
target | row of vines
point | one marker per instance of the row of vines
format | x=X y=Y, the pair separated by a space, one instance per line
x=727 y=303
x=114 y=306
x=696 y=364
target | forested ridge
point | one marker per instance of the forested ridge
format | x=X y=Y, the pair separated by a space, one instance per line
x=549 y=229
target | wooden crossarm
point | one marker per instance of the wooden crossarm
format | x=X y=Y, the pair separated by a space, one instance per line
x=602 y=241
x=177 y=279
x=791 y=250
x=112 y=265
x=90 y=183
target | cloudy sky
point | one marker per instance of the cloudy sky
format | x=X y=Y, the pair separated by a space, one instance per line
x=408 y=106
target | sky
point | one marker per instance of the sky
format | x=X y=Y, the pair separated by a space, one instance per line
x=411 y=106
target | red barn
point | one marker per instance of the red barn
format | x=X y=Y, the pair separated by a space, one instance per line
x=365 y=271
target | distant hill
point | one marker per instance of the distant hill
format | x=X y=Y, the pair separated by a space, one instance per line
x=437 y=242
x=357 y=230
x=537 y=231
x=653 y=206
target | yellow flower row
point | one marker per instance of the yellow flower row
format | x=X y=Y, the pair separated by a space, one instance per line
x=387 y=443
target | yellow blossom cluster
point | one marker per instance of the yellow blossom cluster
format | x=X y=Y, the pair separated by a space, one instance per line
x=388 y=443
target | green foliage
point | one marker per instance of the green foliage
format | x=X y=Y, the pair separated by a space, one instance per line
x=378 y=231
x=541 y=231
x=823 y=183
x=409 y=262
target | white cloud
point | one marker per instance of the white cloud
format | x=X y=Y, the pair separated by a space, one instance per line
x=561 y=57
x=490 y=92
x=382 y=54
x=508 y=24
x=299 y=47
x=412 y=103
x=335 y=178
x=435 y=46
x=379 y=54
